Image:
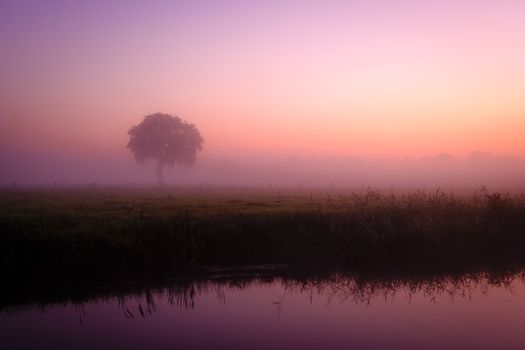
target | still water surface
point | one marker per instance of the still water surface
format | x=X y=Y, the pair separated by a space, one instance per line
x=277 y=313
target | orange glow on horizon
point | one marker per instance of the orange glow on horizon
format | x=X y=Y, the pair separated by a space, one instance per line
x=366 y=82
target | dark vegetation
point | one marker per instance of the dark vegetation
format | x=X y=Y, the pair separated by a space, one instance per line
x=165 y=140
x=85 y=233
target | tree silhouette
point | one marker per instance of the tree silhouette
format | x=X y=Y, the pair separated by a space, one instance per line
x=166 y=140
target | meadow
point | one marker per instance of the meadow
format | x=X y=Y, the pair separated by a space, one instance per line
x=80 y=233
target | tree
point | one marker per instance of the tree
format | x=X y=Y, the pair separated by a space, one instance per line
x=166 y=140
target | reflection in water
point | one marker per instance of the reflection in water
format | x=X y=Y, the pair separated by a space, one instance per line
x=334 y=311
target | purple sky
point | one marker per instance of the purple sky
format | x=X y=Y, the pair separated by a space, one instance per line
x=374 y=80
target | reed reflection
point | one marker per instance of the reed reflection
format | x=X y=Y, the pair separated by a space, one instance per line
x=339 y=288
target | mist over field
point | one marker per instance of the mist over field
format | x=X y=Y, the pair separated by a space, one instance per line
x=446 y=171
x=275 y=174
x=287 y=93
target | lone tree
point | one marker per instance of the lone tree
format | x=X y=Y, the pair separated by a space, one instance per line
x=166 y=140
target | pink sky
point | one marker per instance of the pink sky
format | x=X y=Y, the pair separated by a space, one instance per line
x=376 y=79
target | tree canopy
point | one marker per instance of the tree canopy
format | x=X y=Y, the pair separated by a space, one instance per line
x=166 y=140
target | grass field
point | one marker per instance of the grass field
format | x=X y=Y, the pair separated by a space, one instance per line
x=72 y=233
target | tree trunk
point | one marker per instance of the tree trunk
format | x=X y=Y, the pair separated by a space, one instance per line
x=160 y=171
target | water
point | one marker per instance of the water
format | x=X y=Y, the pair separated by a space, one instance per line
x=276 y=313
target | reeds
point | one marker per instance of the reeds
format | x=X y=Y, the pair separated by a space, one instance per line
x=71 y=233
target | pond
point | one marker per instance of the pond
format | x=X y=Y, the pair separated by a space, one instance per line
x=271 y=312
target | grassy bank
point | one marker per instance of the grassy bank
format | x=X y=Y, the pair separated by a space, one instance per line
x=86 y=232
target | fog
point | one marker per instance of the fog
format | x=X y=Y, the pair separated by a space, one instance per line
x=446 y=171
x=285 y=93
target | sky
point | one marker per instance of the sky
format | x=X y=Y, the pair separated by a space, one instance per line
x=262 y=80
